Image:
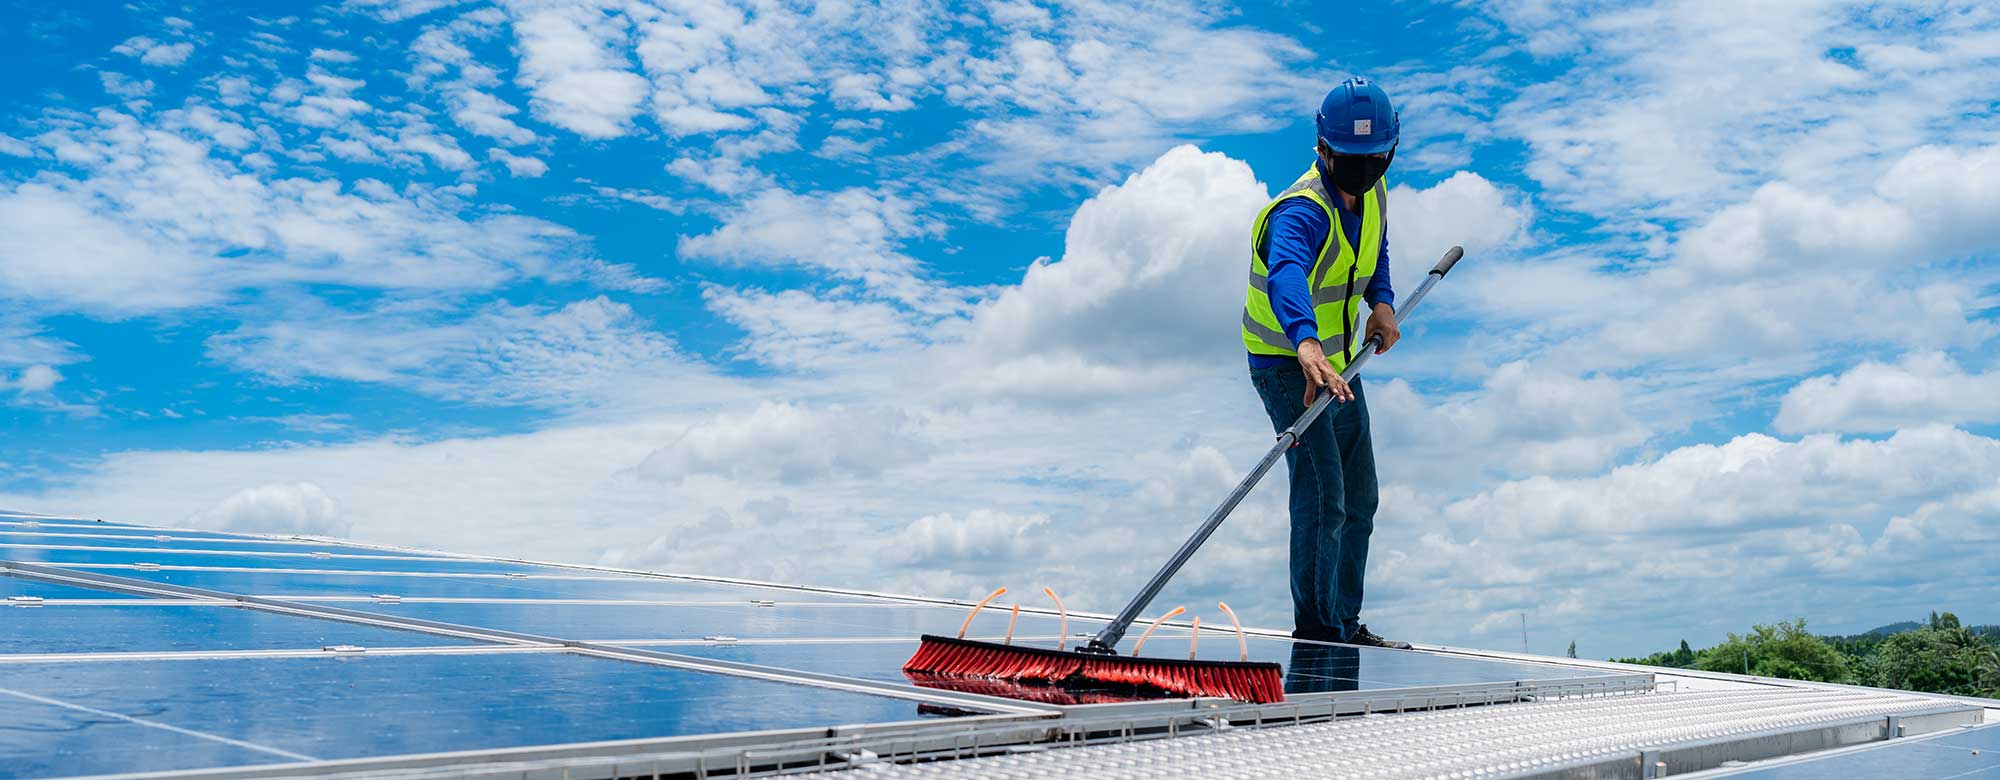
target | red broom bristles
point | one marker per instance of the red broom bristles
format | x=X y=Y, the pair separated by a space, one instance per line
x=1247 y=681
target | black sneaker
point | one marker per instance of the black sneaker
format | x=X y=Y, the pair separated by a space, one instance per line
x=1366 y=638
x=1317 y=635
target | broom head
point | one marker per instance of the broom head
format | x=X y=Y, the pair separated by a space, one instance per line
x=1262 y=682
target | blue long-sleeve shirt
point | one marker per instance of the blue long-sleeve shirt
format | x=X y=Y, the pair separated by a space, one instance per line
x=1296 y=230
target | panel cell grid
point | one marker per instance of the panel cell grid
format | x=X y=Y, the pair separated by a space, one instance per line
x=360 y=706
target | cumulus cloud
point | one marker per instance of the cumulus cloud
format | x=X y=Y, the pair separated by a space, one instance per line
x=979 y=537
x=1148 y=272
x=1921 y=389
x=573 y=61
x=1465 y=210
x=1752 y=481
x=1523 y=419
x=792 y=444
x=297 y=508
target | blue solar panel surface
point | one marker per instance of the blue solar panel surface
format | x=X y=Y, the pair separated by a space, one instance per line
x=643 y=621
x=151 y=625
x=49 y=740
x=535 y=584
x=228 y=558
x=330 y=708
x=193 y=685
x=1960 y=754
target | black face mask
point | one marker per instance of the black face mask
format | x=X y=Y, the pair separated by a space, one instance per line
x=1356 y=174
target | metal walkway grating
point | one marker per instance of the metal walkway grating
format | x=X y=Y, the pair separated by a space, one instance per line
x=1638 y=736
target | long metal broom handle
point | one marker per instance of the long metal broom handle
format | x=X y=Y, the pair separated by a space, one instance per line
x=1107 y=640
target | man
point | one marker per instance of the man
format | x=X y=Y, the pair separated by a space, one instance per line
x=1318 y=252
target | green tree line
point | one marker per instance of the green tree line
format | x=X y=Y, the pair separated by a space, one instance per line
x=1937 y=656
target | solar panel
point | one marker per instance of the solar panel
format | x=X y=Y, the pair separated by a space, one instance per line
x=1964 y=754
x=350 y=707
x=59 y=740
x=70 y=526
x=182 y=558
x=644 y=621
x=151 y=625
x=212 y=650
x=568 y=584
x=140 y=538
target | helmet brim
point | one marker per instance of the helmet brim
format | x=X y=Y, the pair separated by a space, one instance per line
x=1358 y=147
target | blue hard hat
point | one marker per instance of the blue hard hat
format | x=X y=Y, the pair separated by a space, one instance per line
x=1356 y=118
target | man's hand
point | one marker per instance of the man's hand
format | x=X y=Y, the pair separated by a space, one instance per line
x=1383 y=323
x=1320 y=373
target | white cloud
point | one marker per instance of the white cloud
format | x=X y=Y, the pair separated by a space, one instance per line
x=1099 y=88
x=587 y=354
x=15 y=147
x=37 y=379
x=651 y=200
x=850 y=234
x=1524 y=419
x=150 y=52
x=1791 y=90
x=1921 y=389
x=300 y=508
x=1962 y=530
x=486 y=115
x=398 y=10
x=63 y=252
x=573 y=61
x=22 y=344
x=981 y=538
x=1149 y=273
x=790 y=444
x=518 y=166
x=1750 y=482
x=1465 y=210
x=121 y=85
x=334 y=56
x=157 y=221
x=1765 y=289
x=794 y=328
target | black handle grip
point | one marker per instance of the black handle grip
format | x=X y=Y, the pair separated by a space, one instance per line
x=1450 y=258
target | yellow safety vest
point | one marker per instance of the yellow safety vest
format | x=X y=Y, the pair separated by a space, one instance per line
x=1339 y=274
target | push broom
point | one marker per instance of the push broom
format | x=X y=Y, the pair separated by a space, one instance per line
x=1098 y=661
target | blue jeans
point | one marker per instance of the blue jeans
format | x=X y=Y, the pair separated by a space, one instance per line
x=1333 y=503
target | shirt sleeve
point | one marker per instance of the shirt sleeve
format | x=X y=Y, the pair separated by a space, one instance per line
x=1295 y=232
x=1379 y=290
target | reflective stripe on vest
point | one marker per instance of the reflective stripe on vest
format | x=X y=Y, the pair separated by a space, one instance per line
x=1339 y=276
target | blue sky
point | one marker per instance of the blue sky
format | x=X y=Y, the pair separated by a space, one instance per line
x=934 y=297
